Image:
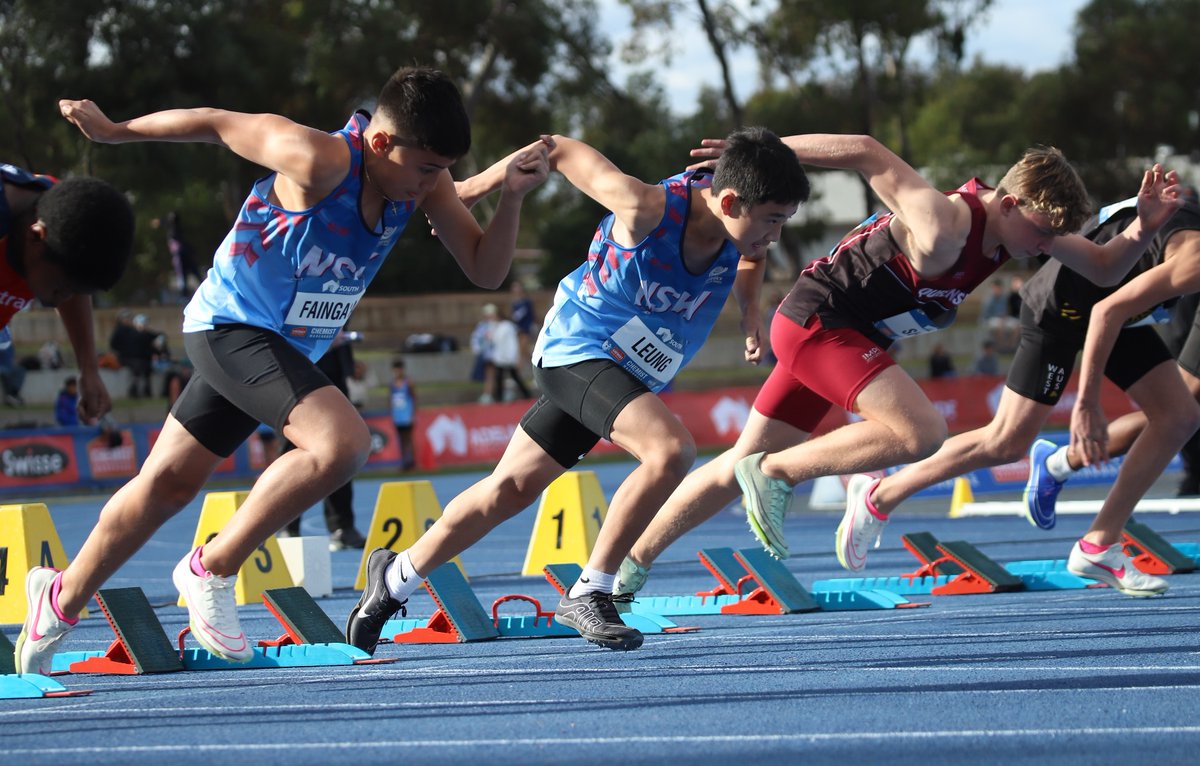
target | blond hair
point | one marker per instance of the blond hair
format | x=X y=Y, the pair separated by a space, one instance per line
x=1044 y=181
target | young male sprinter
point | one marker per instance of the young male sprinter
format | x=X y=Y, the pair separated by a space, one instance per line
x=1058 y=307
x=623 y=324
x=307 y=241
x=61 y=241
x=899 y=274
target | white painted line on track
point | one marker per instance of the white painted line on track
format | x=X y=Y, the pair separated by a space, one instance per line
x=617 y=741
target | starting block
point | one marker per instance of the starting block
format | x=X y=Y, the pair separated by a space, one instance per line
x=969 y=570
x=461 y=618
x=563 y=576
x=733 y=575
x=142 y=646
x=1151 y=553
x=27 y=685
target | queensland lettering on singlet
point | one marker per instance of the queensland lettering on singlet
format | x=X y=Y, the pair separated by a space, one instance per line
x=867 y=283
x=298 y=273
x=639 y=306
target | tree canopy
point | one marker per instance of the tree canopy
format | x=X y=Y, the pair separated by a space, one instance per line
x=533 y=66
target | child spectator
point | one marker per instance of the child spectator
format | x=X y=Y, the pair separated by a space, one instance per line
x=404 y=413
x=66 y=407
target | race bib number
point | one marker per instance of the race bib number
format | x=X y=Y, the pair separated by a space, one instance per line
x=910 y=323
x=645 y=353
x=1157 y=315
x=320 y=310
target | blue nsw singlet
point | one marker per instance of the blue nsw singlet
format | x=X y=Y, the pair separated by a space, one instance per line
x=639 y=306
x=299 y=274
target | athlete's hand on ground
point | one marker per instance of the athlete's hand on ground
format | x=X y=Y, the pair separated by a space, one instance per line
x=712 y=148
x=86 y=116
x=1089 y=432
x=1159 y=197
x=530 y=167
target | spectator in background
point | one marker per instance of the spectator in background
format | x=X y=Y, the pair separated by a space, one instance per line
x=134 y=352
x=66 y=407
x=1014 y=297
x=995 y=320
x=12 y=375
x=987 y=363
x=404 y=413
x=523 y=317
x=481 y=345
x=941 y=365
x=183 y=261
x=506 y=354
x=358 y=384
x=49 y=356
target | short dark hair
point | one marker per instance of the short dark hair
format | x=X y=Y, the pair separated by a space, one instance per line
x=760 y=168
x=425 y=107
x=89 y=231
x=397 y=364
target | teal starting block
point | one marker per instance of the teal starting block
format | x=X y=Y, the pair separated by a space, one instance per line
x=33 y=686
x=461 y=618
x=27 y=685
x=142 y=645
x=785 y=594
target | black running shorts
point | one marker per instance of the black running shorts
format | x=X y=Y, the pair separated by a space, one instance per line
x=243 y=376
x=1045 y=359
x=578 y=406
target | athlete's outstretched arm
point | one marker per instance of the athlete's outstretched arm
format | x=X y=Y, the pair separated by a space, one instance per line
x=485 y=255
x=310 y=158
x=1179 y=274
x=637 y=205
x=937 y=226
x=1105 y=265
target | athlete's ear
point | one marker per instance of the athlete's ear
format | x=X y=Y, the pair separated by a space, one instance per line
x=731 y=205
x=1008 y=203
x=380 y=141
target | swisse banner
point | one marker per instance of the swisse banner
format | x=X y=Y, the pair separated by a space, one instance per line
x=38 y=460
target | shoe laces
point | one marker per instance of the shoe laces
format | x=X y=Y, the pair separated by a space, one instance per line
x=602 y=603
x=217 y=600
x=871 y=525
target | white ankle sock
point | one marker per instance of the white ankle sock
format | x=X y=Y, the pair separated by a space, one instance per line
x=1058 y=466
x=401 y=578
x=592 y=580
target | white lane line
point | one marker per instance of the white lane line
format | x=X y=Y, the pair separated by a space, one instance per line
x=749 y=739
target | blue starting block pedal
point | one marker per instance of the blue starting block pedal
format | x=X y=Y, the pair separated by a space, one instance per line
x=563 y=576
x=27 y=685
x=142 y=646
x=461 y=618
x=959 y=567
x=776 y=590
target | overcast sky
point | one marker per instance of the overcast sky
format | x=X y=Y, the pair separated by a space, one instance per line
x=1033 y=34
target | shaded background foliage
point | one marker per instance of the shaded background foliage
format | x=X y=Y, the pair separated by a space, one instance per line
x=532 y=66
